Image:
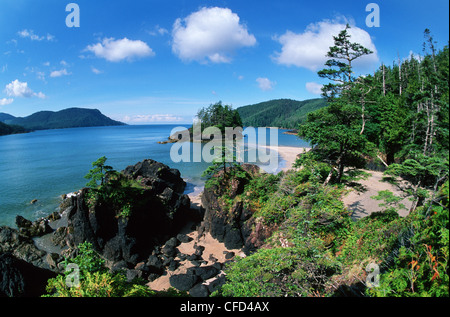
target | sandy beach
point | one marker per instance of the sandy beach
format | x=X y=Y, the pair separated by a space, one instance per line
x=288 y=154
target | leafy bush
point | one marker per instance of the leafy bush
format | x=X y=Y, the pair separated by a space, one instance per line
x=421 y=267
x=96 y=281
x=279 y=272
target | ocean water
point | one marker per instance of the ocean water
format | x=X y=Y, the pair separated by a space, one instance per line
x=46 y=164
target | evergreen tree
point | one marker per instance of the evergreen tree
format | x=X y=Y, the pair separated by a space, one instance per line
x=337 y=130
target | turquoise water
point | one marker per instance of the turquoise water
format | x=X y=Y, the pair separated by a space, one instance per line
x=44 y=165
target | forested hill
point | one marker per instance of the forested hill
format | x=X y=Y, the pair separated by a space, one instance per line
x=6 y=129
x=282 y=113
x=67 y=118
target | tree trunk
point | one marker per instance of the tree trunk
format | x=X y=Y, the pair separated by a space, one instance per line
x=340 y=169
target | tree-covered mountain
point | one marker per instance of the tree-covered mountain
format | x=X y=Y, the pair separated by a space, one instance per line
x=5 y=116
x=67 y=118
x=6 y=129
x=282 y=113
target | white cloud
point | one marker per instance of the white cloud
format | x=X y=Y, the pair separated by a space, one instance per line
x=39 y=95
x=151 y=118
x=96 y=71
x=309 y=49
x=59 y=73
x=265 y=84
x=21 y=89
x=117 y=50
x=314 y=88
x=210 y=34
x=30 y=34
x=5 y=101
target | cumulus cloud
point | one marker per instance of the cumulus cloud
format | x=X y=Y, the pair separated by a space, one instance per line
x=210 y=34
x=314 y=88
x=265 y=84
x=32 y=36
x=117 y=50
x=151 y=118
x=6 y=101
x=59 y=73
x=309 y=49
x=21 y=89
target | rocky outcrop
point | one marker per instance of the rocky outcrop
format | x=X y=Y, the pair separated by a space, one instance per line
x=19 y=278
x=159 y=211
x=233 y=225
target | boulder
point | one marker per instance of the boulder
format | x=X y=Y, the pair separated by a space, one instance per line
x=199 y=290
x=36 y=228
x=183 y=282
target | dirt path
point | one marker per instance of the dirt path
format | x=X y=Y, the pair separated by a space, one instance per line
x=360 y=201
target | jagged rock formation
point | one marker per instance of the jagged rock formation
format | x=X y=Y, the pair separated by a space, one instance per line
x=235 y=226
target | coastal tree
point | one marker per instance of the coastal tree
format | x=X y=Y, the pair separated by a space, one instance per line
x=98 y=173
x=337 y=130
x=220 y=116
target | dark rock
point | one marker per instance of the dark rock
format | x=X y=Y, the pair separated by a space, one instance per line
x=36 y=228
x=132 y=275
x=21 y=279
x=152 y=276
x=119 y=266
x=184 y=238
x=218 y=266
x=59 y=237
x=193 y=257
x=155 y=265
x=173 y=265
x=217 y=283
x=183 y=282
x=204 y=272
x=21 y=222
x=199 y=250
x=160 y=211
x=199 y=290
x=234 y=226
x=157 y=175
x=229 y=255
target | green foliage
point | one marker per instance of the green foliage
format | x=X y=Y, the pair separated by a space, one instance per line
x=391 y=202
x=421 y=267
x=97 y=281
x=98 y=173
x=225 y=161
x=220 y=116
x=120 y=193
x=87 y=259
x=281 y=113
x=279 y=272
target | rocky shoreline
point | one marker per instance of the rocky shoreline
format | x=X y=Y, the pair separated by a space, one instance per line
x=169 y=240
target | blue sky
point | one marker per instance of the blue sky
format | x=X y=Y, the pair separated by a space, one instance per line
x=155 y=61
